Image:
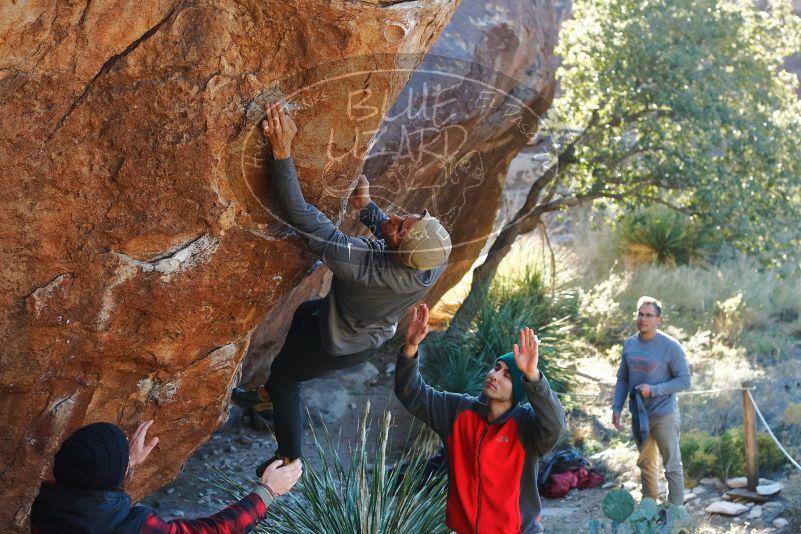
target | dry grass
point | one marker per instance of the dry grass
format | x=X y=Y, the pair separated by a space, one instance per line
x=738 y=302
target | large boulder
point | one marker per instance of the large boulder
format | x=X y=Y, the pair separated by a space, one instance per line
x=473 y=104
x=139 y=247
x=446 y=144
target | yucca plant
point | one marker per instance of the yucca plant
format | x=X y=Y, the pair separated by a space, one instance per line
x=658 y=234
x=367 y=497
x=454 y=365
x=514 y=301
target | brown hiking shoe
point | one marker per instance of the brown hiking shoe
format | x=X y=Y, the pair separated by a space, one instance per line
x=263 y=466
x=258 y=404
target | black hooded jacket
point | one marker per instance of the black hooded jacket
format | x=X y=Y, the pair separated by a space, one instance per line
x=59 y=510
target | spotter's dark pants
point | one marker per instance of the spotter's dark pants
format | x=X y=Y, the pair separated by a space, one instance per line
x=302 y=358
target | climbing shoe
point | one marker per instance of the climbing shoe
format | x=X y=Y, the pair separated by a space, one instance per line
x=249 y=397
x=258 y=404
x=263 y=466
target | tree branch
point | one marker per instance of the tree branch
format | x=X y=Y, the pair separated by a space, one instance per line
x=567 y=202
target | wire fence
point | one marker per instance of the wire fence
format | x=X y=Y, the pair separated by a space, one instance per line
x=770 y=432
x=746 y=389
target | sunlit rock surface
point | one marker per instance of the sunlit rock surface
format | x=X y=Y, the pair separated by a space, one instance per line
x=139 y=248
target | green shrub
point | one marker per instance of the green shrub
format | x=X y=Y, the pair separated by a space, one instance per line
x=724 y=456
x=591 y=446
x=792 y=415
x=367 y=497
x=454 y=366
x=790 y=431
x=771 y=459
x=660 y=235
x=699 y=454
x=513 y=302
x=732 y=453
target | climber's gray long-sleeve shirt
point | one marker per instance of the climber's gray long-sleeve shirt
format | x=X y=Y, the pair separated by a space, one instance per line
x=371 y=290
x=659 y=362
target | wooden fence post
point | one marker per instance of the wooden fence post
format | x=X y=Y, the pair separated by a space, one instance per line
x=749 y=426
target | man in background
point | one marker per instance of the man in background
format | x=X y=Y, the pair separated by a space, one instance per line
x=654 y=367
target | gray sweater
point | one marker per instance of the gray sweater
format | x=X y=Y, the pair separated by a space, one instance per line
x=371 y=290
x=659 y=362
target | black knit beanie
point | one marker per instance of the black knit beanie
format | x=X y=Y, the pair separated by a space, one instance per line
x=95 y=457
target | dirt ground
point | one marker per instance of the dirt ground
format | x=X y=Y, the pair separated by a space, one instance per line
x=338 y=402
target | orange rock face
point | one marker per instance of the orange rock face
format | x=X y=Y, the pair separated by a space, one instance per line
x=447 y=142
x=139 y=246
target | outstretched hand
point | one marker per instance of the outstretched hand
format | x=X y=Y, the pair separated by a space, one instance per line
x=280 y=478
x=417 y=329
x=360 y=197
x=279 y=129
x=527 y=354
x=137 y=450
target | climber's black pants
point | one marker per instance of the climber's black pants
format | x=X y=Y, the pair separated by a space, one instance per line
x=302 y=358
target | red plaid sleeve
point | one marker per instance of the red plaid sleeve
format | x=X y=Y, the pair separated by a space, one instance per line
x=237 y=518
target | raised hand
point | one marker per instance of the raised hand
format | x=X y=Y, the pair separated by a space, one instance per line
x=137 y=450
x=527 y=354
x=417 y=329
x=279 y=129
x=280 y=478
x=360 y=197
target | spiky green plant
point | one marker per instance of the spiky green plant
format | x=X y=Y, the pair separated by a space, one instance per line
x=657 y=234
x=520 y=299
x=368 y=496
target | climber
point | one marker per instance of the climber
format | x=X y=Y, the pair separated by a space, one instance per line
x=86 y=495
x=375 y=281
x=493 y=444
